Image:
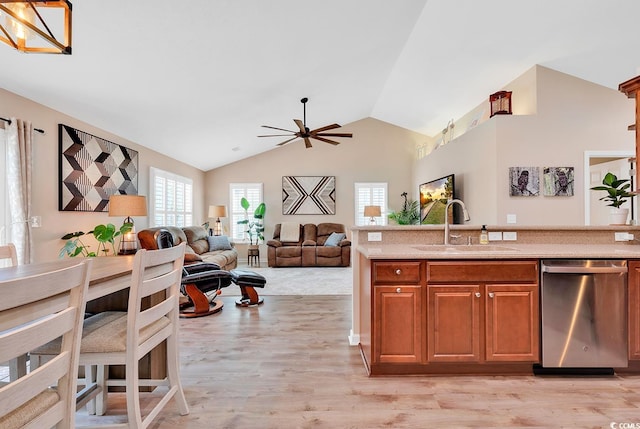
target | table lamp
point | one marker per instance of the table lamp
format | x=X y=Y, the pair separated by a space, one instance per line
x=217 y=212
x=128 y=205
x=372 y=212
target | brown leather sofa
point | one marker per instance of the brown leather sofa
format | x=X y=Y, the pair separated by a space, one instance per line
x=310 y=249
x=197 y=248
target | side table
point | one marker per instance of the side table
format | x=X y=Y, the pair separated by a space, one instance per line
x=253 y=255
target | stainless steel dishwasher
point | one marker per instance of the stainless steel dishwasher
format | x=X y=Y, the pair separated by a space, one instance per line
x=584 y=313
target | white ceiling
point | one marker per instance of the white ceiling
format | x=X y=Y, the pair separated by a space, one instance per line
x=195 y=80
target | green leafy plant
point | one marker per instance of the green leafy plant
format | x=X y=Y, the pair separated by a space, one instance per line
x=617 y=190
x=254 y=228
x=104 y=234
x=409 y=214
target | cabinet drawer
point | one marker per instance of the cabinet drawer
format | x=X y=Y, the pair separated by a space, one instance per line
x=482 y=271
x=396 y=272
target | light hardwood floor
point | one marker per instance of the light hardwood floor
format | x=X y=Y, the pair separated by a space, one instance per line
x=287 y=364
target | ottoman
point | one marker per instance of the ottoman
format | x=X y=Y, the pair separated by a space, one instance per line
x=248 y=281
x=202 y=283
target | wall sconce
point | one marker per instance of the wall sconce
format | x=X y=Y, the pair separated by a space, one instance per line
x=23 y=26
x=500 y=103
x=217 y=212
x=372 y=212
x=128 y=205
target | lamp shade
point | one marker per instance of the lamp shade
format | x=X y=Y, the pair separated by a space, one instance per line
x=372 y=211
x=217 y=211
x=127 y=205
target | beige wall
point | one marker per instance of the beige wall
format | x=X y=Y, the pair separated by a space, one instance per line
x=55 y=224
x=378 y=152
x=571 y=116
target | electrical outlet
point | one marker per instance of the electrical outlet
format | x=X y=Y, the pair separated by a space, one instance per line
x=623 y=236
x=510 y=236
x=511 y=218
x=495 y=236
x=374 y=236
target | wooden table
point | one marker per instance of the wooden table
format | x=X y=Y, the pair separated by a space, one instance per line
x=109 y=282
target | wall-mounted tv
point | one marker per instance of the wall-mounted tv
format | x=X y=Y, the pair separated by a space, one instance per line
x=434 y=196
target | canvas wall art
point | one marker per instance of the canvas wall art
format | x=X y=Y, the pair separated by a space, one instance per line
x=524 y=181
x=557 y=181
x=308 y=195
x=91 y=169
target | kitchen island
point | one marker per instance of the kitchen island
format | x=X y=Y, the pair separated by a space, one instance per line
x=427 y=308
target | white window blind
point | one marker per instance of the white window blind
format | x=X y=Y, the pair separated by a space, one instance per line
x=370 y=194
x=171 y=199
x=253 y=193
x=4 y=204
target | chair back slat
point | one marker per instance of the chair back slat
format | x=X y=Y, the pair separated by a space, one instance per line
x=26 y=325
x=8 y=251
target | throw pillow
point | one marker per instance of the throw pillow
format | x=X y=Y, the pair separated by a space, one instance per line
x=218 y=242
x=334 y=239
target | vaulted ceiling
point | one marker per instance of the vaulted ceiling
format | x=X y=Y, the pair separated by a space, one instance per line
x=195 y=80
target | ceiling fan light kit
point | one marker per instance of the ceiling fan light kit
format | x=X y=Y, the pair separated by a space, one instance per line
x=305 y=133
x=23 y=26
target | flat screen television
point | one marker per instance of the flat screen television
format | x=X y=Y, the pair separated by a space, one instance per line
x=434 y=196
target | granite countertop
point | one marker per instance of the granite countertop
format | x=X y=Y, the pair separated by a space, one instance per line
x=499 y=251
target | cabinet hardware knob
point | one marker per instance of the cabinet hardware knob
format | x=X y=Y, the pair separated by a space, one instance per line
x=398 y=271
x=398 y=290
x=478 y=295
x=491 y=294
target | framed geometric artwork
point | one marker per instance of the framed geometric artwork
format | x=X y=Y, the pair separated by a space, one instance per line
x=91 y=169
x=308 y=195
x=524 y=181
x=557 y=181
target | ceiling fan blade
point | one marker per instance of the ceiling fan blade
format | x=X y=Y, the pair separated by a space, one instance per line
x=278 y=135
x=300 y=125
x=276 y=128
x=307 y=142
x=325 y=128
x=322 y=139
x=335 y=134
x=287 y=141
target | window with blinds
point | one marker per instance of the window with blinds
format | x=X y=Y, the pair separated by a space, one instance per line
x=171 y=199
x=253 y=193
x=370 y=194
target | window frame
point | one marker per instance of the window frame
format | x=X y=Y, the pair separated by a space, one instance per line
x=359 y=217
x=179 y=217
x=236 y=212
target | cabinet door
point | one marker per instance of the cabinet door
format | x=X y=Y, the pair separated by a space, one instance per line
x=398 y=324
x=634 y=310
x=453 y=327
x=512 y=326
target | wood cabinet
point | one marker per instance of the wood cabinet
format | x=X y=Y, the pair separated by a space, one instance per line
x=634 y=310
x=397 y=312
x=483 y=311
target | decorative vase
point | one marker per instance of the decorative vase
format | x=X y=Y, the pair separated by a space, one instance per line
x=618 y=216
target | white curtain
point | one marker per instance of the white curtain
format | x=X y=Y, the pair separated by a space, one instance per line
x=19 y=171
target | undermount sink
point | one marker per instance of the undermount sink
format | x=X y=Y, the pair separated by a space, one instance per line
x=463 y=248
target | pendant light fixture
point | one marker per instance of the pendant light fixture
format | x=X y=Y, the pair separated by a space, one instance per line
x=36 y=26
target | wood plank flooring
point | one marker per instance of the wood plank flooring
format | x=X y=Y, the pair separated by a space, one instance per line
x=287 y=364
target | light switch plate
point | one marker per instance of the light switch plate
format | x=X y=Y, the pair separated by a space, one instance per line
x=511 y=218
x=510 y=236
x=374 y=236
x=495 y=235
x=623 y=236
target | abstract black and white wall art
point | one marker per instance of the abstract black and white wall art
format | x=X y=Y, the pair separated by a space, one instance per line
x=309 y=195
x=91 y=169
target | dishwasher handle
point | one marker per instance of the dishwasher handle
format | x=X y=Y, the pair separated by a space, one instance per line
x=583 y=270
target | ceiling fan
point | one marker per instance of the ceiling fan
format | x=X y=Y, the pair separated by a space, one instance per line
x=307 y=134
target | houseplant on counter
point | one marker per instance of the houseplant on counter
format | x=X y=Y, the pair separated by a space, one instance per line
x=617 y=194
x=408 y=215
x=254 y=228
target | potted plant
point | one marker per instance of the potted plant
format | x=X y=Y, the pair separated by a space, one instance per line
x=617 y=194
x=102 y=233
x=255 y=228
x=408 y=215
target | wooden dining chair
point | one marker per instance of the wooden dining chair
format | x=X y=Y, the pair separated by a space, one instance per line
x=17 y=366
x=123 y=338
x=34 y=310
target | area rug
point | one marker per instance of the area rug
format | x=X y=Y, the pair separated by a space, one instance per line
x=300 y=281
